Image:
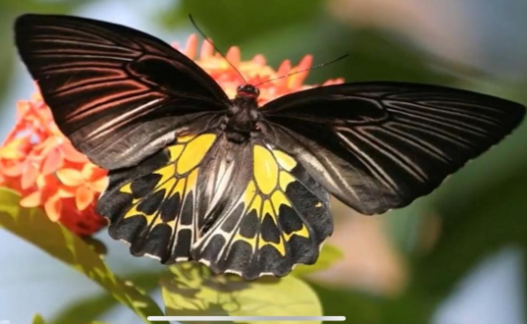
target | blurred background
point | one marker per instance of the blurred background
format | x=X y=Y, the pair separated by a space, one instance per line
x=454 y=257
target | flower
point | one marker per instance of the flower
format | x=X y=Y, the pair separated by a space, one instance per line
x=41 y=163
x=38 y=161
x=254 y=71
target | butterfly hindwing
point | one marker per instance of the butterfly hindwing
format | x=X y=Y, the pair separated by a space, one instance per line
x=154 y=205
x=249 y=209
x=117 y=93
x=380 y=145
x=278 y=219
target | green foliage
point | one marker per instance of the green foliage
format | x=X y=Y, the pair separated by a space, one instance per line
x=37 y=319
x=93 y=307
x=35 y=227
x=190 y=289
x=235 y=14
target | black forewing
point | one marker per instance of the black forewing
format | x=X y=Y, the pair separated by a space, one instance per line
x=117 y=93
x=380 y=145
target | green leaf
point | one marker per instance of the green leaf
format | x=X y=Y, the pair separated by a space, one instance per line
x=85 y=310
x=35 y=227
x=93 y=307
x=190 y=289
x=328 y=256
x=37 y=319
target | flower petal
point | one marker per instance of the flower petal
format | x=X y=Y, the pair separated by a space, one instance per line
x=295 y=81
x=67 y=192
x=83 y=197
x=284 y=68
x=99 y=185
x=233 y=55
x=192 y=46
x=29 y=175
x=70 y=177
x=12 y=150
x=207 y=50
x=53 y=161
x=32 y=200
x=11 y=170
x=92 y=172
x=53 y=208
x=72 y=155
x=259 y=59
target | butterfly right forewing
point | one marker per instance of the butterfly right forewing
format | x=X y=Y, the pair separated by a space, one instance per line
x=380 y=145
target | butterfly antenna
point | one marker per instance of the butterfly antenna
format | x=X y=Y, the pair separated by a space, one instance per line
x=215 y=48
x=305 y=70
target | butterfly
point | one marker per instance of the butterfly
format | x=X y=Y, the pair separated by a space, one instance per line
x=244 y=189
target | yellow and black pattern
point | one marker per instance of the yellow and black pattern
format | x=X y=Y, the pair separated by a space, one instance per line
x=153 y=206
x=248 y=209
x=279 y=219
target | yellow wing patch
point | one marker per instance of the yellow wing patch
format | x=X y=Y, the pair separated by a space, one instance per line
x=265 y=195
x=285 y=161
x=265 y=169
x=194 y=152
x=178 y=177
x=276 y=216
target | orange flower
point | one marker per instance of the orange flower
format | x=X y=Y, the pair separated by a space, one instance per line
x=254 y=71
x=40 y=162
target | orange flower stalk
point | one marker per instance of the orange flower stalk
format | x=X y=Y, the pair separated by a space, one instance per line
x=38 y=161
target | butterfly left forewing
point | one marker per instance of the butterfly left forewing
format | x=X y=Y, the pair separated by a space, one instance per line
x=275 y=218
x=117 y=93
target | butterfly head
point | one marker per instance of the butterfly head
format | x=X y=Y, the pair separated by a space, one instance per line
x=247 y=91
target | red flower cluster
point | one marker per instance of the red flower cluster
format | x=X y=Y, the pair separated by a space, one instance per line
x=38 y=161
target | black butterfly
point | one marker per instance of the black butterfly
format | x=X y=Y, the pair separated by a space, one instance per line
x=244 y=189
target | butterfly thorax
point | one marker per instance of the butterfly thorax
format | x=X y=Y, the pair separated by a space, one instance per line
x=243 y=115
